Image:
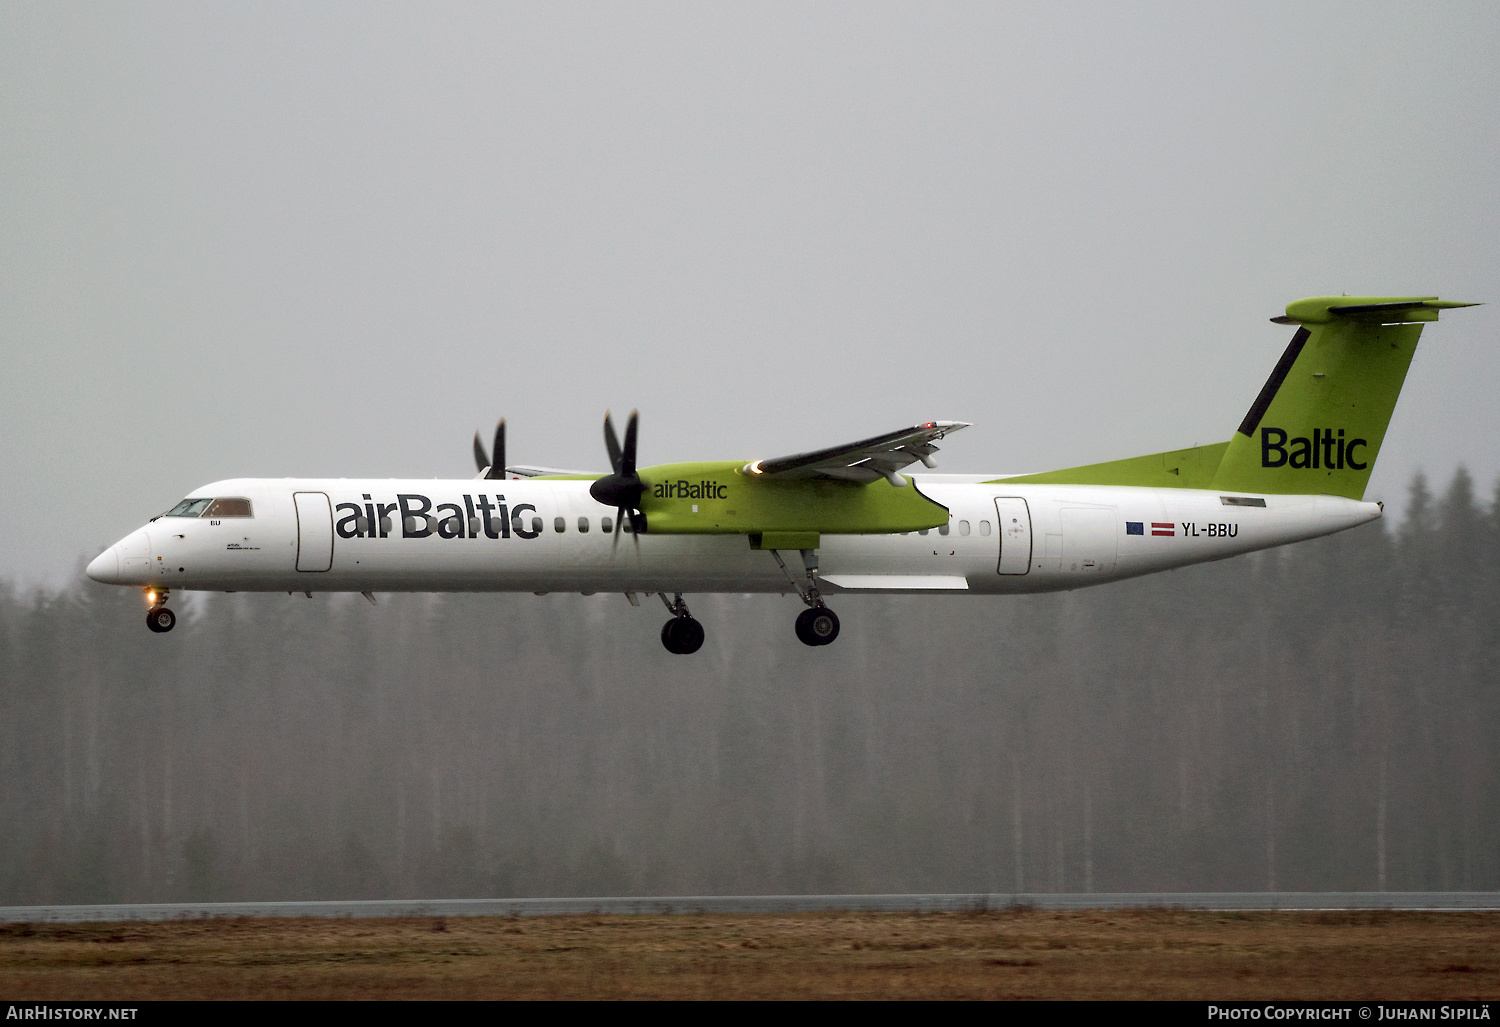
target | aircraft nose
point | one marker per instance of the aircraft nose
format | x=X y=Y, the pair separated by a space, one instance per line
x=105 y=567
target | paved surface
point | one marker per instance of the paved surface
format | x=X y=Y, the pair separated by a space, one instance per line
x=756 y=904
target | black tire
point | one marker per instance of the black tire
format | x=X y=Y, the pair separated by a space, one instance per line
x=689 y=635
x=803 y=628
x=669 y=636
x=682 y=635
x=161 y=620
x=817 y=626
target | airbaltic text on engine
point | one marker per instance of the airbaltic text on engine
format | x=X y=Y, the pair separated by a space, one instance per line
x=683 y=489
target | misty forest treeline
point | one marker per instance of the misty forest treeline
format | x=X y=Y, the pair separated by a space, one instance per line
x=1320 y=717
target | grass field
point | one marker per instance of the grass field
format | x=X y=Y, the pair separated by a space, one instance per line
x=1136 y=954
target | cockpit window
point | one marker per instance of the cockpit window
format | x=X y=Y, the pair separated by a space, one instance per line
x=229 y=508
x=211 y=508
x=189 y=508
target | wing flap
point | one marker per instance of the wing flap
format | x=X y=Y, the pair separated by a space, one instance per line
x=864 y=461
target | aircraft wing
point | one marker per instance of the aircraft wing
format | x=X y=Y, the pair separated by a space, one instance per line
x=521 y=471
x=864 y=461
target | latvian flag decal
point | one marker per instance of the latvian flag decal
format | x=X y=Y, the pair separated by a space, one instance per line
x=1158 y=528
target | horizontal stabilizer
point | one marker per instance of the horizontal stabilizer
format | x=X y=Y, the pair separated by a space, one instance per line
x=1322 y=310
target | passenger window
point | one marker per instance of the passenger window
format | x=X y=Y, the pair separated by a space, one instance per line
x=984 y=527
x=943 y=529
x=189 y=508
x=229 y=508
x=536 y=525
x=606 y=525
x=922 y=532
x=559 y=524
x=963 y=527
x=583 y=525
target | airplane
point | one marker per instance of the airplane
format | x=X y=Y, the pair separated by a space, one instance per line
x=844 y=519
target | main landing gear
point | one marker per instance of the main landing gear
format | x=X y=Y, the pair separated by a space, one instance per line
x=816 y=625
x=159 y=619
x=682 y=634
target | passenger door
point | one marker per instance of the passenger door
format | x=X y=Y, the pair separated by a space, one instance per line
x=314 y=531
x=1014 y=520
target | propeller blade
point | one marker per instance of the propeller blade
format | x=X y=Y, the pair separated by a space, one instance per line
x=619 y=517
x=627 y=462
x=497 y=467
x=480 y=457
x=623 y=488
x=611 y=442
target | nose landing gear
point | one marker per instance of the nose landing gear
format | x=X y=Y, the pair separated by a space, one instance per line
x=682 y=634
x=159 y=619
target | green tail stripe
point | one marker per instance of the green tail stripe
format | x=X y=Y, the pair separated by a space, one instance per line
x=1179 y=469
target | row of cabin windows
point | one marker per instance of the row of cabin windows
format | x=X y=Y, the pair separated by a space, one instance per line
x=606 y=525
x=560 y=525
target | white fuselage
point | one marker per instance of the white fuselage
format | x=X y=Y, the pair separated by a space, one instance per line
x=466 y=535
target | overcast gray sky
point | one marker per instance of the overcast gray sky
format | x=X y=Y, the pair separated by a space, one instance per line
x=335 y=239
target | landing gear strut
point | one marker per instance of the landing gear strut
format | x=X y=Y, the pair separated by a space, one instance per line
x=816 y=625
x=159 y=619
x=682 y=634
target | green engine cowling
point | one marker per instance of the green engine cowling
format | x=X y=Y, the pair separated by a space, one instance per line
x=719 y=498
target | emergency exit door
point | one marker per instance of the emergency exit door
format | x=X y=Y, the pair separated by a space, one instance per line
x=314 y=531
x=1015 y=535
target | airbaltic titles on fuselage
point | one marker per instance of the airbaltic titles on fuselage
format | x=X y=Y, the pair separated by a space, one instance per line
x=414 y=515
x=419 y=518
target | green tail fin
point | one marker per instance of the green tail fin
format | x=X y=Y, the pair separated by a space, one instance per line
x=1318 y=423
